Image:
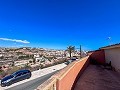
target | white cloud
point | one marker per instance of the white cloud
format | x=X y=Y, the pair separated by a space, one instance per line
x=15 y=40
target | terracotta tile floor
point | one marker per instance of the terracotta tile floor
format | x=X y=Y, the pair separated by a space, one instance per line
x=97 y=78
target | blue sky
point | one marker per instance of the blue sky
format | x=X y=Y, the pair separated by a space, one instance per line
x=59 y=23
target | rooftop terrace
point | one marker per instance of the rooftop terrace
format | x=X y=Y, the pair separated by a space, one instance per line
x=98 y=78
x=83 y=75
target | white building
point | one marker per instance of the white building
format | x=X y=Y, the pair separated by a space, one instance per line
x=112 y=53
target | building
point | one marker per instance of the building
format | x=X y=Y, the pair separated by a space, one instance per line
x=84 y=75
x=112 y=53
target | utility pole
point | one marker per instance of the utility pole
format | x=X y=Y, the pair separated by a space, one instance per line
x=80 y=52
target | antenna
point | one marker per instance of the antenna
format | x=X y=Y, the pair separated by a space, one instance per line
x=109 y=40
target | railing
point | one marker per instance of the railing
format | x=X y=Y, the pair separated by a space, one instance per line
x=66 y=78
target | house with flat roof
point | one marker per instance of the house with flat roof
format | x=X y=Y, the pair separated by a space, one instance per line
x=86 y=75
x=112 y=53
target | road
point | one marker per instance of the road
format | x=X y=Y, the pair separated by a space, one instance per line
x=37 y=78
x=34 y=85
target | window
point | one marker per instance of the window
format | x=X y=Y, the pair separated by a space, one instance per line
x=25 y=72
x=19 y=74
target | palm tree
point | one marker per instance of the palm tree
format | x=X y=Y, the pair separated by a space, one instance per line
x=70 y=49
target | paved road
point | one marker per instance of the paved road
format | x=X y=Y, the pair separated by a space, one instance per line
x=38 y=77
x=34 y=85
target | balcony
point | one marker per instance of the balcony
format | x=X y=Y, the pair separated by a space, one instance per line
x=82 y=75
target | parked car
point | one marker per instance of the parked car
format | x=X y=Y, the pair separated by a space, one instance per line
x=15 y=77
x=74 y=58
x=68 y=62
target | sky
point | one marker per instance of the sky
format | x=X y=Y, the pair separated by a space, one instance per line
x=57 y=24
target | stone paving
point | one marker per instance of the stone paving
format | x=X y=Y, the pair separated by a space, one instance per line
x=97 y=78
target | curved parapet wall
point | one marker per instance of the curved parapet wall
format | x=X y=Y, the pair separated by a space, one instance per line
x=66 y=78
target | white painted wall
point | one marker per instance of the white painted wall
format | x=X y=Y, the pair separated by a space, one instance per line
x=113 y=55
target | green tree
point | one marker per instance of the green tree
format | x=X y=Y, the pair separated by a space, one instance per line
x=70 y=49
x=34 y=61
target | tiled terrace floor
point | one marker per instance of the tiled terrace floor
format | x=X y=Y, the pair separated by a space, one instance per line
x=97 y=78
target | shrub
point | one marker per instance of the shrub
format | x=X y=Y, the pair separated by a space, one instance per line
x=2 y=74
x=13 y=69
x=30 y=61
